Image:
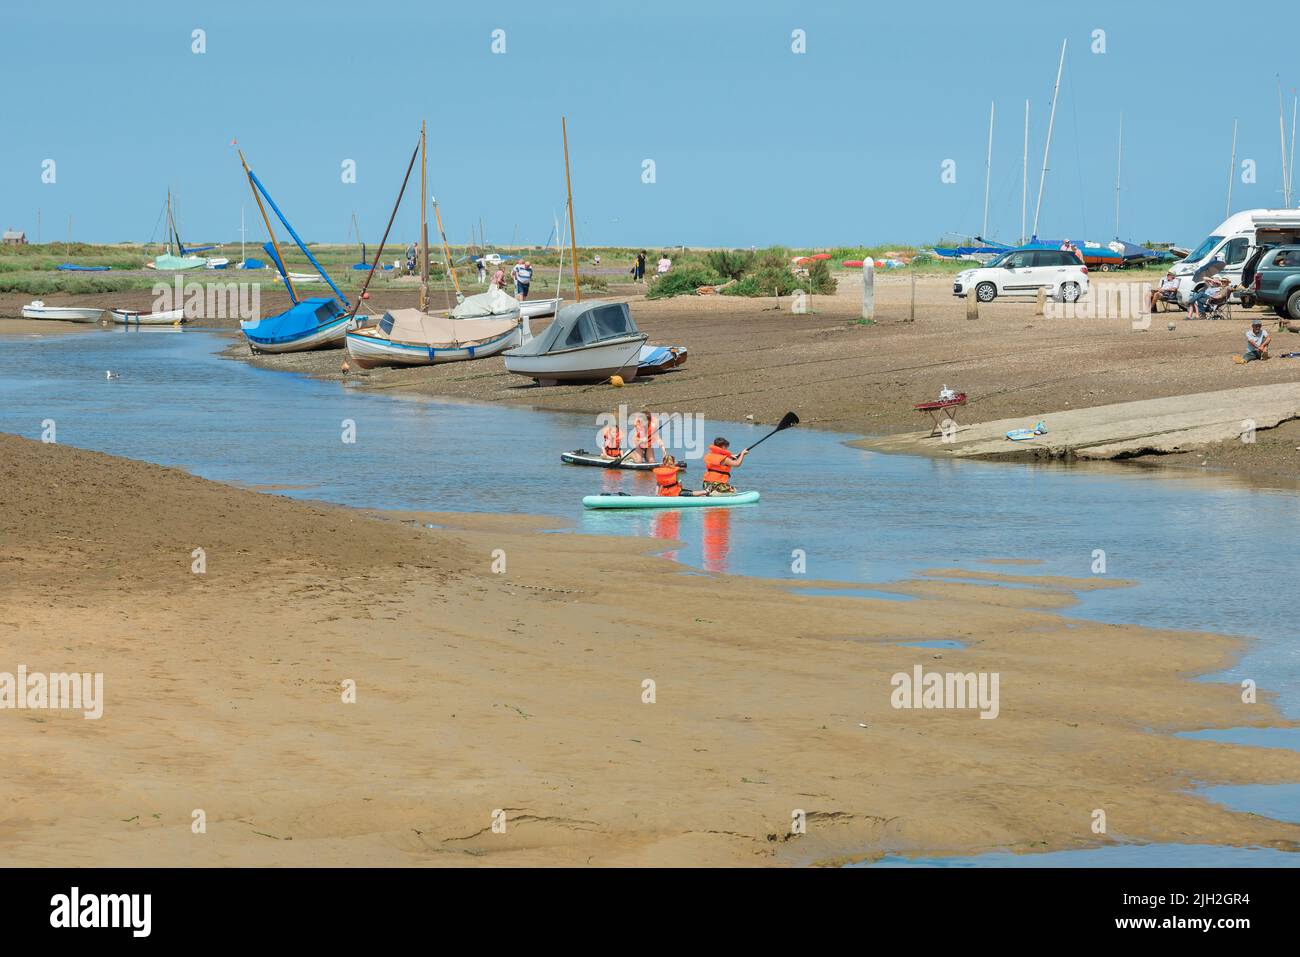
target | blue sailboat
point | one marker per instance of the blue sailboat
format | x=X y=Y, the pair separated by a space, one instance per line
x=313 y=323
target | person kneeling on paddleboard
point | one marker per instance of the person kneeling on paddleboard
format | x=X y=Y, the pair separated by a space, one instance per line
x=611 y=438
x=668 y=475
x=718 y=464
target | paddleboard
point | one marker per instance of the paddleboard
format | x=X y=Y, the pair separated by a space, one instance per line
x=669 y=501
x=583 y=457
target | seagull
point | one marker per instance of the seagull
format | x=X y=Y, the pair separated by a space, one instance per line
x=111 y=375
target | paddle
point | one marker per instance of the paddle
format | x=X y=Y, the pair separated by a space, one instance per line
x=787 y=420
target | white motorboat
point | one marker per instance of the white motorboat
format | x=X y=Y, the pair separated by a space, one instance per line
x=38 y=310
x=587 y=342
x=537 y=308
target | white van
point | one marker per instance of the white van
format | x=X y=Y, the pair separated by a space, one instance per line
x=1233 y=241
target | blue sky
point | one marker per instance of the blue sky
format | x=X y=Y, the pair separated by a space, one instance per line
x=752 y=143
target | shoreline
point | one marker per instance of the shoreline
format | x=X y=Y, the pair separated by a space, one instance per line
x=523 y=692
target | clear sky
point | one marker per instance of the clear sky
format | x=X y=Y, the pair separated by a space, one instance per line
x=752 y=143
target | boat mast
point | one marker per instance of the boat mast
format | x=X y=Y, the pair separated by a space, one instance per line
x=1281 y=129
x=573 y=236
x=1232 y=169
x=1024 y=178
x=559 y=241
x=1119 y=160
x=1290 y=166
x=446 y=249
x=424 y=221
x=279 y=256
x=1047 y=147
x=988 y=173
x=242 y=257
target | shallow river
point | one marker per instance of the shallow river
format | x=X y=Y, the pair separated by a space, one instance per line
x=1205 y=553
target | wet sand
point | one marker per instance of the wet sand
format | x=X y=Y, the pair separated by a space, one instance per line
x=522 y=693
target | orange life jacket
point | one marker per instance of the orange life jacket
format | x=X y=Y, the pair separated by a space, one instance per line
x=666 y=476
x=615 y=450
x=715 y=463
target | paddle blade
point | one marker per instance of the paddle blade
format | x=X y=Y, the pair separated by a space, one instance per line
x=788 y=420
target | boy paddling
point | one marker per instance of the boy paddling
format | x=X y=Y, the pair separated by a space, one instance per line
x=718 y=464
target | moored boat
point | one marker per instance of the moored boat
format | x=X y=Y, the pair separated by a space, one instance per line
x=586 y=342
x=656 y=359
x=408 y=337
x=597 y=460
x=133 y=317
x=38 y=310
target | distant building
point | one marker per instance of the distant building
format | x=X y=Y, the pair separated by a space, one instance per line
x=13 y=237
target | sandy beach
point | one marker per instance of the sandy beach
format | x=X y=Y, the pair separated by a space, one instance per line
x=520 y=697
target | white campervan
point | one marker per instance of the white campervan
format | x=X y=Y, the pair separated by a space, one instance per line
x=1233 y=242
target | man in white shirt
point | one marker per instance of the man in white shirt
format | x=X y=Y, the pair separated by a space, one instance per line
x=1257 y=340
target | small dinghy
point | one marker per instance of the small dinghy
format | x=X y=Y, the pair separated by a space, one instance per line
x=615 y=500
x=537 y=308
x=73 y=267
x=170 y=263
x=38 y=310
x=657 y=359
x=596 y=459
x=133 y=317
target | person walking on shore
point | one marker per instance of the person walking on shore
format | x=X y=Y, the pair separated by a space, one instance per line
x=523 y=276
x=499 y=278
x=639 y=268
x=482 y=271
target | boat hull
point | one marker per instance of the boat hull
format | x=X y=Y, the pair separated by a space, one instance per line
x=592 y=363
x=129 y=317
x=368 y=351
x=62 y=313
x=536 y=308
x=323 y=337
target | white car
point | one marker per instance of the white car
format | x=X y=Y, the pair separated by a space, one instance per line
x=1022 y=272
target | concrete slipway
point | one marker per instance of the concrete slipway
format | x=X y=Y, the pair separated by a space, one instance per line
x=1175 y=424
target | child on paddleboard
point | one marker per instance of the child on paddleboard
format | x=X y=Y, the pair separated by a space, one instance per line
x=718 y=464
x=668 y=475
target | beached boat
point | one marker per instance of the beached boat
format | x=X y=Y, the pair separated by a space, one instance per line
x=586 y=342
x=314 y=323
x=133 y=317
x=538 y=308
x=38 y=310
x=409 y=337
x=656 y=359
x=178 y=257
x=170 y=263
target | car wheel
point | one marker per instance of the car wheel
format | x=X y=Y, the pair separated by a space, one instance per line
x=1069 y=292
x=1247 y=302
x=1293 y=305
x=986 y=292
x=1105 y=267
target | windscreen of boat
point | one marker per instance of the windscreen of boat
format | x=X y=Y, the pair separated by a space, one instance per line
x=1203 y=250
x=580 y=324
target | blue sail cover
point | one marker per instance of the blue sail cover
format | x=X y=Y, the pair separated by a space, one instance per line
x=301 y=321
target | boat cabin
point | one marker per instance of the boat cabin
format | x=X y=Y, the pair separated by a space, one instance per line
x=581 y=325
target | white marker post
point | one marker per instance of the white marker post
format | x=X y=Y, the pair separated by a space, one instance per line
x=868 y=289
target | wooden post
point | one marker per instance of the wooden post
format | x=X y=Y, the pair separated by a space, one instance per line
x=1040 y=304
x=911 y=310
x=868 y=290
x=972 y=305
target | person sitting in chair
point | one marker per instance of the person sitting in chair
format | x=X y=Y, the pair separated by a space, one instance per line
x=1209 y=298
x=1167 y=291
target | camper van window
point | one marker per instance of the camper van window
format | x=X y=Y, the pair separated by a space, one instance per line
x=1235 y=251
x=610 y=321
x=1201 y=251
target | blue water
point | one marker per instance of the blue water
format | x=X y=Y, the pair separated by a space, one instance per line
x=937 y=643
x=857 y=593
x=1203 y=553
x=1111 y=855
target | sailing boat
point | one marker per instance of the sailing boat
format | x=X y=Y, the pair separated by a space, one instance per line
x=177 y=256
x=307 y=324
x=587 y=341
x=478 y=327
